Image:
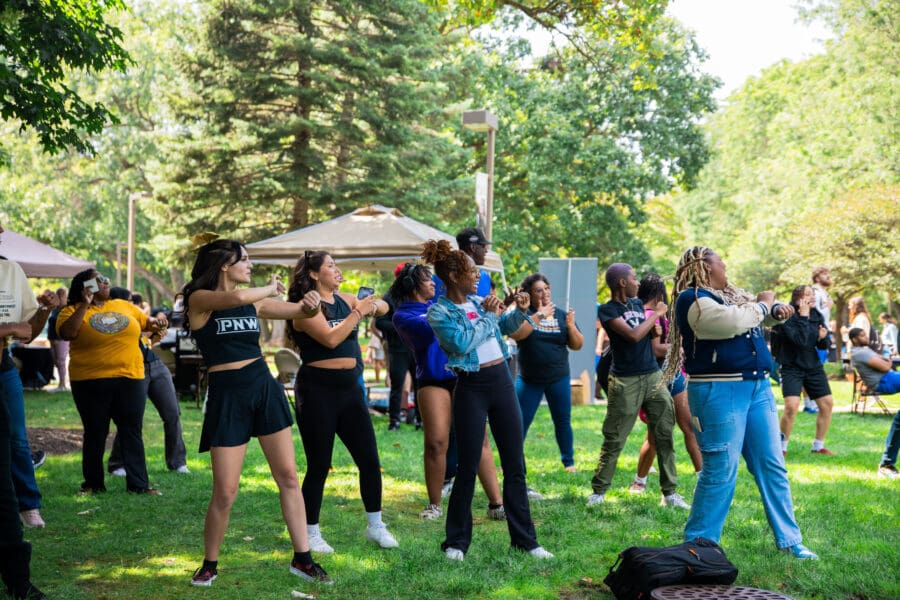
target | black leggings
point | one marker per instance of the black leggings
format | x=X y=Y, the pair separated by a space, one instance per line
x=329 y=402
x=488 y=394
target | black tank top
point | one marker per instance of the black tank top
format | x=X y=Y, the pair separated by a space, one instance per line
x=229 y=336
x=312 y=351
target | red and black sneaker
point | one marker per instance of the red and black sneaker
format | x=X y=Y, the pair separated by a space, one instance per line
x=311 y=572
x=204 y=576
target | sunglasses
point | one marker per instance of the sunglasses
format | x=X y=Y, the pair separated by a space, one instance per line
x=102 y=279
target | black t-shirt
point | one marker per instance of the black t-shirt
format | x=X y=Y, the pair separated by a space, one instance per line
x=543 y=355
x=627 y=358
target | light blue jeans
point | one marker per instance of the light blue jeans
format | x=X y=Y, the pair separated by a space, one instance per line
x=27 y=491
x=560 y=402
x=739 y=418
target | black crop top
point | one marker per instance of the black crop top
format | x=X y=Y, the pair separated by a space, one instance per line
x=312 y=351
x=229 y=336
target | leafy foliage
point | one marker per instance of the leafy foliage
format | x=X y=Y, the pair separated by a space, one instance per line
x=39 y=43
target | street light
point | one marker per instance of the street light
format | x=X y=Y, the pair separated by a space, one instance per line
x=485 y=120
x=132 y=206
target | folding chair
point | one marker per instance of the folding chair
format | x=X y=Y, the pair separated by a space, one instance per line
x=287 y=362
x=862 y=393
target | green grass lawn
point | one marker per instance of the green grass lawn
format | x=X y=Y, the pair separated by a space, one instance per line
x=118 y=545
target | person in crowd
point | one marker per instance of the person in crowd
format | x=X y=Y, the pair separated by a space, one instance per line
x=329 y=400
x=375 y=351
x=544 y=363
x=716 y=334
x=107 y=374
x=795 y=345
x=635 y=382
x=59 y=348
x=413 y=289
x=888 y=332
x=399 y=361
x=160 y=388
x=468 y=329
x=142 y=304
x=859 y=317
x=651 y=291
x=878 y=374
x=821 y=279
x=243 y=398
x=23 y=317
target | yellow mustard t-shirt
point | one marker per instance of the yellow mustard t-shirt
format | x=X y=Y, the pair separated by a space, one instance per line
x=107 y=343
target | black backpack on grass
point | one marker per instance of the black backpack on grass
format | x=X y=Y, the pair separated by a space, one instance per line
x=638 y=571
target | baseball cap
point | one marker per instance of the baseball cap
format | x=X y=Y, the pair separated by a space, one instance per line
x=469 y=236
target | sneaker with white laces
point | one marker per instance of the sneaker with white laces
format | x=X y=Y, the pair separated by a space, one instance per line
x=32 y=518
x=454 y=554
x=120 y=472
x=595 y=499
x=432 y=512
x=318 y=544
x=447 y=488
x=888 y=472
x=676 y=501
x=496 y=514
x=381 y=536
x=533 y=494
x=312 y=572
x=183 y=470
x=637 y=487
x=539 y=552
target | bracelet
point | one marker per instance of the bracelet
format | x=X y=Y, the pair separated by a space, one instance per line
x=358 y=313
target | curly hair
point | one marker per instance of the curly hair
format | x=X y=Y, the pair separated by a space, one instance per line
x=693 y=272
x=446 y=259
x=301 y=281
x=409 y=279
x=207 y=268
x=652 y=287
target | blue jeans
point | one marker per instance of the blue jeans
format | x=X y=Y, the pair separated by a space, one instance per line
x=892 y=443
x=22 y=467
x=559 y=400
x=889 y=383
x=738 y=418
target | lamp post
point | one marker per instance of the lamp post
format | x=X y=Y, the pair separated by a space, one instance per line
x=485 y=120
x=132 y=207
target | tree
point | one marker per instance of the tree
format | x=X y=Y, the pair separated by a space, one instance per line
x=40 y=42
x=303 y=110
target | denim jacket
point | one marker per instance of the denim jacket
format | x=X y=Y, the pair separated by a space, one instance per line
x=459 y=337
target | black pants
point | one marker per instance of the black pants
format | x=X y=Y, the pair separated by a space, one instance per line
x=15 y=553
x=489 y=394
x=122 y=400
x=399 y=364
x=329 y=402
x=160 y=388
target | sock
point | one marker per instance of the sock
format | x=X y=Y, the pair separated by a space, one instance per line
x=818 y=444
x=374 y=519
x=313 y=530
x=209 y=564
x=784 y=444
x=698 y=473
x=304 y=558
x=642 y=480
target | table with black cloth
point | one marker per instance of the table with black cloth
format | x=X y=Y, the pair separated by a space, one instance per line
x=37 y=365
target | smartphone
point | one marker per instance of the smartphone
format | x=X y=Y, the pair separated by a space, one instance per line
x=91 y=285
x=364 y=292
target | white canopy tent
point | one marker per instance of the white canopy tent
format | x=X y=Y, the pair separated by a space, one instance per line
x=372 y=238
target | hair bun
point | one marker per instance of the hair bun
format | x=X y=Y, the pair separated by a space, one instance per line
x=201 y=239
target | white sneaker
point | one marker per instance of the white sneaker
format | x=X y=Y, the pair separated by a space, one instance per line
x=454 y=554
x=539 y=552
x=183 y=470
x=448 y=487
x=32 y=518
x=318 y=544
x=675 y=501
x=496 y=514
x=432 y=512
x=595 y=499
x=120 y=472
x=534 y=494
x=381 y=536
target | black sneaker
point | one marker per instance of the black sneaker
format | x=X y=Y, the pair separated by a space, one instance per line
x=38 y=458
x=204 y=577
x=311 y=572
x=394 y=426
x=30 y=593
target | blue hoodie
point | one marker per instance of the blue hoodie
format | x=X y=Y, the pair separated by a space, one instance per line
x=417 y=335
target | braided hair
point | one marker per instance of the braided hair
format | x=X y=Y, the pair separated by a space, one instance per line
x=446 y=259
x=693 y=272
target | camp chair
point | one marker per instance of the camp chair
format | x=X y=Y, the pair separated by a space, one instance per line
x=862 y=393
x=288 y=363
